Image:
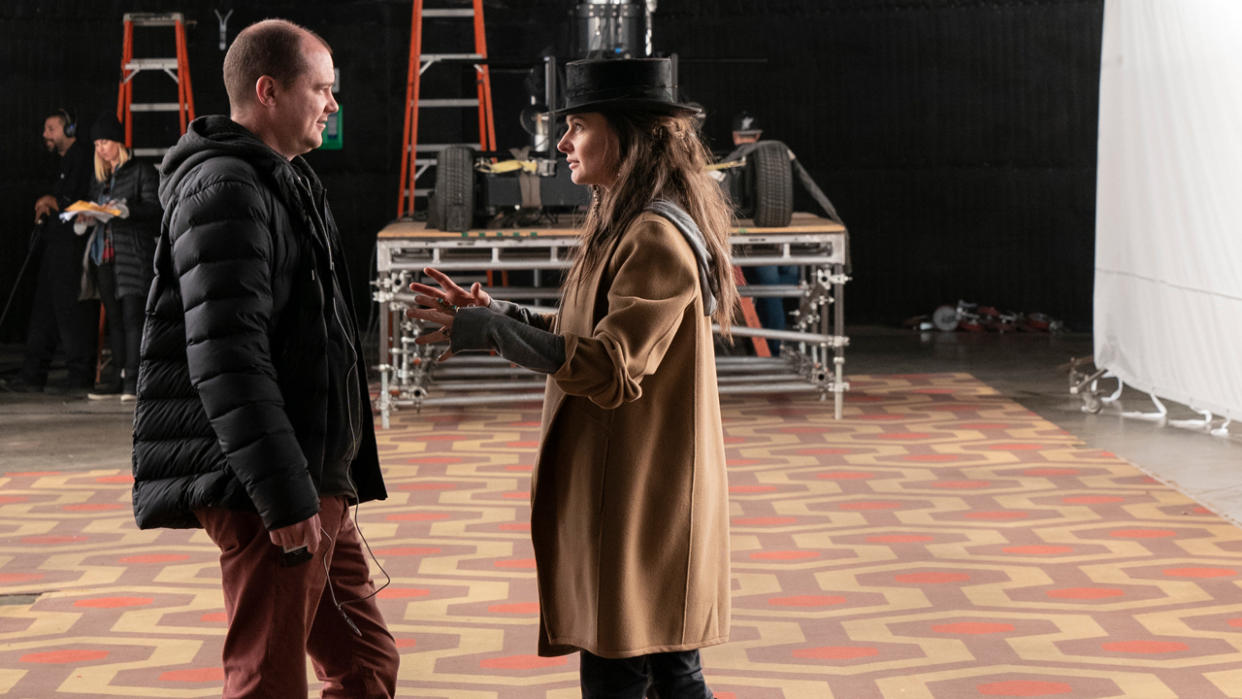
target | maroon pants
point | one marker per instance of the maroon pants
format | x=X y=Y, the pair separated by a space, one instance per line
x=278 y=615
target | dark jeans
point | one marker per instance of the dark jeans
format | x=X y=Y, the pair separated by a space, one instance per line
x=771 y=310
x=676 y=675
x=125 y=316
x=59 y=318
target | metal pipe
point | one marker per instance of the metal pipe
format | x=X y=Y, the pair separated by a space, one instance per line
x=784 y=368
x=529 y=292
x=750 y=361
x=723 y=373
x=772 y=290
x=474 y=265
x=734 y=389
x=790 y=387
x=790 y=335
x=470 y=265
x=486 y=385
x=549 y=85
x=838 y=328
x=471 y=400
x=752 y=378
x=465 y=372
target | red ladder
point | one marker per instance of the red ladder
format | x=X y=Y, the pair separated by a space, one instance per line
x=751 y=316
x=412 y=166
x=177 y=68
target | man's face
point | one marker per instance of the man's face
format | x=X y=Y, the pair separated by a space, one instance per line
x=740 y=137
x=54 y=134
x=302 y=108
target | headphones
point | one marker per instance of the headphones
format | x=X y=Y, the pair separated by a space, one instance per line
x=71 y=127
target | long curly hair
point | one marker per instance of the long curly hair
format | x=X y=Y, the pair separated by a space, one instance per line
x=661 y=156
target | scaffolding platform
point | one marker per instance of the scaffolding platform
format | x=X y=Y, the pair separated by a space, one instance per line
x=812 y=359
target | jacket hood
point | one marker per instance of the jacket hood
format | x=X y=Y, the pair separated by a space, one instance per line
x=681 y=220
x=209 y=137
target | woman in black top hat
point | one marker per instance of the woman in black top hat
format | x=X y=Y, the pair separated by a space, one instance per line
x=120 y=250
x=629 y=507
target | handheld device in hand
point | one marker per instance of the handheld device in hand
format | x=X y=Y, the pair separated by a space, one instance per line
x=290 y=557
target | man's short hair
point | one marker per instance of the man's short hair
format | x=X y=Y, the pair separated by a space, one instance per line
x=60 y=115
x=271 y=47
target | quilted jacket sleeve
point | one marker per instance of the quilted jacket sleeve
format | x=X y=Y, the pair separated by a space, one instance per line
x=654 y=280
x=223 y=255
x=145 y=207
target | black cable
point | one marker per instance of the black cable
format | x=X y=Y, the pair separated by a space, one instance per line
x=340 y=606
x=30 y=248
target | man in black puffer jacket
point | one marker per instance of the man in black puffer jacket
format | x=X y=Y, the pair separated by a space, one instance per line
x=253 y=419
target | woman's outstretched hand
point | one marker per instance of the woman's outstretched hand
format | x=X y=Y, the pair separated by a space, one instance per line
x=450 y=292
x=439 y=305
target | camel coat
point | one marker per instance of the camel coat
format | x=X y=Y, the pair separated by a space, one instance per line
x=629 y=496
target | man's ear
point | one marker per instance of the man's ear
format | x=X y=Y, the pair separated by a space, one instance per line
x=265 y=91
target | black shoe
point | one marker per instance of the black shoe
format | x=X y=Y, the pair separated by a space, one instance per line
x=19 y=384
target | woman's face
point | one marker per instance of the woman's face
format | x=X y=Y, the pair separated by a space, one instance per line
x=593 y=149
x=108 y=150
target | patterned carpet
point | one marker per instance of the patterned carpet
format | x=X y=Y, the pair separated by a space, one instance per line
x=941 y=541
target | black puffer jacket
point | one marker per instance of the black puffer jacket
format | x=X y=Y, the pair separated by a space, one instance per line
x=133 y=237
x=233 y=382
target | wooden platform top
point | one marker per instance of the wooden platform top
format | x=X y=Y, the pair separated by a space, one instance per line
x=801 y=223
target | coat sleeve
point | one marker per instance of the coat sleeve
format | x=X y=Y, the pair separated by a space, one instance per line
x=525 y=344
x=522 y=314
x=222 y=255
x=654 y=280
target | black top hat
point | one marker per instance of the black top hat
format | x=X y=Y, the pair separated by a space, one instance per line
x=107 y=126
x=611 y=84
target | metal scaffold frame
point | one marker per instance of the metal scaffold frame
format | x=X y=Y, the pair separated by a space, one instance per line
x=813 y=359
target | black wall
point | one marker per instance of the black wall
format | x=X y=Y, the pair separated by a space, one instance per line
x=956 y=138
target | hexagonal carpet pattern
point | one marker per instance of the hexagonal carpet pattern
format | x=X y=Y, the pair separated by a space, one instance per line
x=940 y=541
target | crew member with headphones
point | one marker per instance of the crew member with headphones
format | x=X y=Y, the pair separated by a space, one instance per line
x=57 y=316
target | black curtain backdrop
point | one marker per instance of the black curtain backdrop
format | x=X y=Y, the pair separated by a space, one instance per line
x=957 y=138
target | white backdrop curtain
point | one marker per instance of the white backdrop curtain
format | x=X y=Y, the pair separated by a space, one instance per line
x=1168 y=261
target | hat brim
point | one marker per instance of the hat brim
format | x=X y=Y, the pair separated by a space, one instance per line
x=627 y=105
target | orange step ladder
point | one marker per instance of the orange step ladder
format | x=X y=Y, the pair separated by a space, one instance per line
x=751 y=316
x=176 y=67
x=412 y=166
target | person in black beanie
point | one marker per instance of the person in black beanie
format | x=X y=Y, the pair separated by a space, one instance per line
x=120 y=249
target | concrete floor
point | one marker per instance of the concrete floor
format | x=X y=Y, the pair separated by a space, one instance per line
x=40 y=432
